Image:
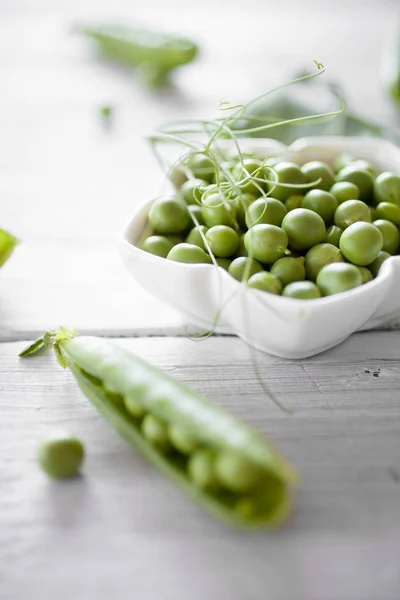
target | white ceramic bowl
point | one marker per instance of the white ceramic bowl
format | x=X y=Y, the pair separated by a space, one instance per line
x=210 y=298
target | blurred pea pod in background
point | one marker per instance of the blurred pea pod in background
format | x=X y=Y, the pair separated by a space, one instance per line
x=153 y=54
x=311 y=98
x=7 y=245
x=391 y=66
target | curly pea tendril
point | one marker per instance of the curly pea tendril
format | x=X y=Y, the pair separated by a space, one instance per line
x=204 y=137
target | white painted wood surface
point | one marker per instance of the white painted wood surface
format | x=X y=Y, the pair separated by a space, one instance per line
x=121 y=530
x=66 y=189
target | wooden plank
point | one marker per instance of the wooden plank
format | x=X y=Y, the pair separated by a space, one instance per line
x=82 y=538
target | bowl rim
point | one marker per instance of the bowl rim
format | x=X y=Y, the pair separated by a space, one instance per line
x=327 y=142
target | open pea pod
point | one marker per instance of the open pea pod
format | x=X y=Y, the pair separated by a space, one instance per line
x=222 y=463
x=7 y=245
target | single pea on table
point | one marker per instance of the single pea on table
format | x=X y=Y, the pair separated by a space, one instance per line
x=300 y=231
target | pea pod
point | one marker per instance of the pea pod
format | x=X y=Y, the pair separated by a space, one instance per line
x=156 y=54
x=223 y=464
x=391 y=67
x=310 y=98
x=7 y=245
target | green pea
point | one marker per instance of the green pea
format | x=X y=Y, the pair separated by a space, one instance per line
x=387 y=188
x=116 y=398
x=345 y=190
x=338 y=277
x=223 y=262
x=377 y=263
x=366 y=274
x=360 y=243
x=158 y=245
x=390 y=234
x=156 y=432
x=294 y=201
x=201 y=469
x=364 y=165
x=388 y=211
x=61 y=455
x=259 y=502
x=236 y=473
x=268 y=211
x=188 y=253
x=341 y=161
x=254 y=168
x=289 y=269
x=333 y=235
x=168 y=215
x=134 y=408
x=216 y=210
x=304 y=228
x=196 y=211
x=319 y=256
x=242 y=265
x=321 y=202
x=350 y=212
x=195 y=238
x=362 y=179
x=241 y=251
x=181 y=440
x=267 y=282
x=266 y=243
x=192 y=190
x=177 y=176
x=241 y=204
x=315 y=170
x=223 y=240
x=202 y=167
x=303 y=290
x=287 y=172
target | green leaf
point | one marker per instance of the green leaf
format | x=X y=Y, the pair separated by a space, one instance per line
x=34 y=348
x=7 y=245
x=51 y=339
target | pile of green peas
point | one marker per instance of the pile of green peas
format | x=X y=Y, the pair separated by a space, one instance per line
x=301 y=231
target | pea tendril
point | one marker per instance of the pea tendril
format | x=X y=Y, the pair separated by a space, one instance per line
x=216 y=140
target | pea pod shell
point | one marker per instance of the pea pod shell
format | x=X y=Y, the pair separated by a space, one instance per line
x=136 y=46
x=278 y=507
x=169 y=399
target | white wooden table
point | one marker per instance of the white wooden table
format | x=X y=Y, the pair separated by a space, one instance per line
x=66 y=189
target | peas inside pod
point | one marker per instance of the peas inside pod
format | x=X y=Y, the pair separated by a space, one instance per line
x=273 y=224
